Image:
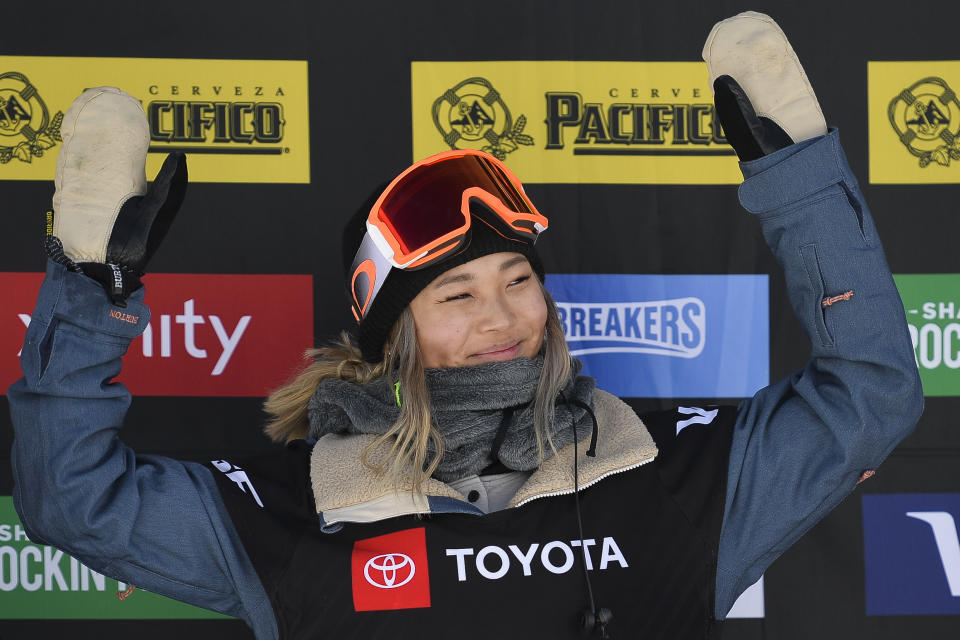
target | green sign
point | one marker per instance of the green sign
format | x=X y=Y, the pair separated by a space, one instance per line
x=932 y=302
x=41 y=582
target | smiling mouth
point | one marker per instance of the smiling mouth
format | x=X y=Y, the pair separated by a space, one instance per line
x=501 y=353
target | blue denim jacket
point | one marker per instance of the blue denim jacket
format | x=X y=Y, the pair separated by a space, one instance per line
x=799 y=445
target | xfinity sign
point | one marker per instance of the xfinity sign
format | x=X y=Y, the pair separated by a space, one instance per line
x=911 y=547
x=208 y=334
x=668 y=336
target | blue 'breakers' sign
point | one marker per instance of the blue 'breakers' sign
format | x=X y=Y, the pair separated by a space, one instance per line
x=676 y=336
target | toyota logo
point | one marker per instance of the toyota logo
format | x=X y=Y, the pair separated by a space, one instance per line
x=389 y=570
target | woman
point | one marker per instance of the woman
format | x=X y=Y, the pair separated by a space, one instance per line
x=448 y=473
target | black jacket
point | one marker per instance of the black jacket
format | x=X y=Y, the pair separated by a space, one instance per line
x=650 y=527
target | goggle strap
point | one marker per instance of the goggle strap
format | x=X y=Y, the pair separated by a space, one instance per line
x=367 y=274
x=519 y=226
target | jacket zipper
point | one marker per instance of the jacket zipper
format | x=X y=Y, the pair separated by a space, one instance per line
x=550 y=494
x=565 y=492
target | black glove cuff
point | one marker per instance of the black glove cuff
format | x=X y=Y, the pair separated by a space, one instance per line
x=118 y=281
x=54 y=250
x=750 y=135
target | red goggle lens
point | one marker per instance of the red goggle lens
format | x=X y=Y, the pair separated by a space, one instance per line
x=425 y=205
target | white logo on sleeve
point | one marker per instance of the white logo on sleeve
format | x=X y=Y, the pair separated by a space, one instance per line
x=700 y=416
x=239 y=476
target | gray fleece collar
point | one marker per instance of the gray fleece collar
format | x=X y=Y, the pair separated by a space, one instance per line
x=467 y=405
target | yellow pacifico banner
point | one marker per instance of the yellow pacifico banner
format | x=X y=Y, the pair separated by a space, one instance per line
x=238 y=120
x=587 y=122
x=914 y=122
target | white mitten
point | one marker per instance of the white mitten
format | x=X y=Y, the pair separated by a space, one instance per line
x=763 y=97
x=107 y=223
x=100 y=167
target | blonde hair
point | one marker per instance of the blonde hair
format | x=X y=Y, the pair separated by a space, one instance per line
x=413 y=435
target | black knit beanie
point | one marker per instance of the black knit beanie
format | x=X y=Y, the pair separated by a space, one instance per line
x=403 y=286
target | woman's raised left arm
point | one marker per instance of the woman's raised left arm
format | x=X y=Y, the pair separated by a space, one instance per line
x=802 y=444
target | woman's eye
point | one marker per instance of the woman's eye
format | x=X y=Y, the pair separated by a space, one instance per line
x=520 y=280
x=459 y=296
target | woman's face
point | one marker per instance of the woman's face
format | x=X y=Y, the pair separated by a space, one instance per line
x=489 y=309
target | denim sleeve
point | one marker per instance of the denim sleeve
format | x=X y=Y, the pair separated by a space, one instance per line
x=801 y=444
x=153 y=522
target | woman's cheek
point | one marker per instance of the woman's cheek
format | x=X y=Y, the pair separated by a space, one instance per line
x=441 y=339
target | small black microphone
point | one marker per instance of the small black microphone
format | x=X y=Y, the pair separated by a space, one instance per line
x=590 y=620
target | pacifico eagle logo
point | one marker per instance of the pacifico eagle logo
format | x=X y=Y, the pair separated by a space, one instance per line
x=26 y=128
x=473 y=115
x=926 y=117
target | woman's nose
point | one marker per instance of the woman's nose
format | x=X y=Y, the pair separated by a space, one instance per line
x=497 y=313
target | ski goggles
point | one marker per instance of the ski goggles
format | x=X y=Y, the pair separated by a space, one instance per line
x=424 y=217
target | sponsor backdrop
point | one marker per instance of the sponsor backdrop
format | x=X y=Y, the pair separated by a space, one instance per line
x=291 y=113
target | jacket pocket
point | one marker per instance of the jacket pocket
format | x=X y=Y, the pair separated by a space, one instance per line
x=811 y=263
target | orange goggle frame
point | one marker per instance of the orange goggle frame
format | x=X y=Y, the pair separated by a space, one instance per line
x=424 y=216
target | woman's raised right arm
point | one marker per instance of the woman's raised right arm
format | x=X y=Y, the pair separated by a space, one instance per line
x=150 y=521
